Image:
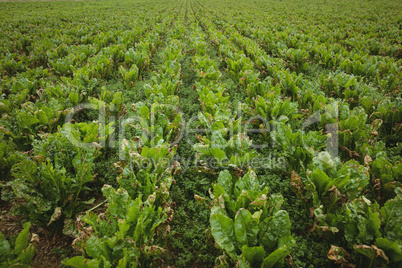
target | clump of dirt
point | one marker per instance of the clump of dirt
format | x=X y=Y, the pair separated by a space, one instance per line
x=9 y=225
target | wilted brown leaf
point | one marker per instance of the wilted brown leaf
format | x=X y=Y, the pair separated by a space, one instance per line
x=297 y=184
x=340 y=256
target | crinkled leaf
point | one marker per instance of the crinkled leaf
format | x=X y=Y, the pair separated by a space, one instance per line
x=275 y=228
x=118 y=200
x=225 y=180
x=351 y=179
x=248 y=182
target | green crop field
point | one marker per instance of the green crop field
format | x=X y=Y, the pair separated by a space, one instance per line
x=201 y=133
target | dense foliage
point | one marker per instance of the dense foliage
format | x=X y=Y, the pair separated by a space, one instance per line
x=204 y=133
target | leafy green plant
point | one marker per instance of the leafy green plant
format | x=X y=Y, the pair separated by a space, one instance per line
x=30 y=119
x=240 y=68
x=297 y=58
x=22 y=253
x=339 y=84
x=298 y=147
x=8 y=157
x=391 y=221
x=291 y=83
x=156 y=121
x=212 y=97
x=386 y=176
x=390 y=112
x=139 y=58
x=247 y=223
x=129 y=76
x=49 y=190
x=274 y=108
x=234 y=152
x=123 y=235
x=206 y=68
x=147 y=171
x=329 y=183
x=356 y=138
x=262 y=89
x=363 y=223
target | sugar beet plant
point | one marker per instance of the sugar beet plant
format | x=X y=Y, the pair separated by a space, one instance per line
x=92 y=137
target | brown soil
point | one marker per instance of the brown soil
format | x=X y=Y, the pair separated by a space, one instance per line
x=50 y=248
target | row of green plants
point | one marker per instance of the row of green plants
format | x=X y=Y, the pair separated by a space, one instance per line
x=136 y=223
x=245 y=220
x=48 y=172
x=274 y=114
x=318 y=184
x=366 y=55
x=337 y=84
x=129 y=72
x=39 y=127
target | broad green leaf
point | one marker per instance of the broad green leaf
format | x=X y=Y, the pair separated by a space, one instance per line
x=41 y=115
x=217 y=139
x=204 y=121
x=223 y=231
x=225 y=180
x=218 y=154
x=81 y=262
x=321 y=181
x=391 y=216
x=351 y=179
x=73 y=97
x=134 y=211
x=247 y=227
x=123 y=228
x=247 y=182
x=253 y=254
x=26 y=120
x=5 y=248
x=96 y=248
x=22 y=239
x=276 y=258
x=242 y=220
x=144 y=111
x=277 y=227
x=351 y=82
x=369 y=226
x=25 y=257
x=118 y=200
x=392 y=249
